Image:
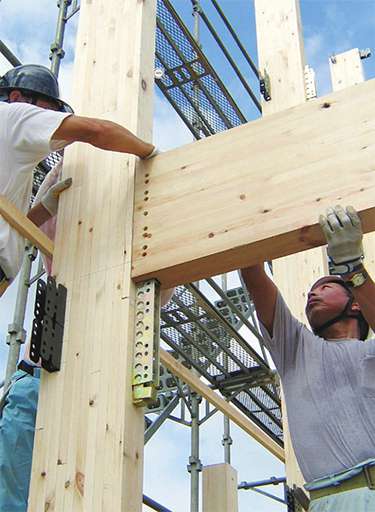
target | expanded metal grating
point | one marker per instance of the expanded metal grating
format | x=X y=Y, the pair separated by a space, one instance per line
x=187 y=79
x=194 y=329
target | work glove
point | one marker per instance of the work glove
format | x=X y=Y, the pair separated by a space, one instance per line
x=50 y=200
x=343 y=232
x=153 y=153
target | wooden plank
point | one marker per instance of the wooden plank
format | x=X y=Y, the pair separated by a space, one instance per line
x=346 y=69
x=281 y=53
x=219 y=488
x=254 y=192
x=25 y=227
x=88 y=452
x=222 y=405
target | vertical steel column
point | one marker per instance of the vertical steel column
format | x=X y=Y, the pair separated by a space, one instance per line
x=57 y=51
x=196 y=34
x=195 y=465
x=17 y=333
x=226 y=440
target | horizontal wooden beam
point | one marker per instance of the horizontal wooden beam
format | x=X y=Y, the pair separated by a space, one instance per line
x=254 y=193
x=25 y=227
x=222 y=405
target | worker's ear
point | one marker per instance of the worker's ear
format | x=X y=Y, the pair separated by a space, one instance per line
x=355 y=307
x=15 y=95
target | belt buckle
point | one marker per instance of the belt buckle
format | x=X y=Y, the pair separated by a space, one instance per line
x=369 y=482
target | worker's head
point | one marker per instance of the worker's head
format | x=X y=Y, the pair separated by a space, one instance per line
x=34 y=84
x=331 y=300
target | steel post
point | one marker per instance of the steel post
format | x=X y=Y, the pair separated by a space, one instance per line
x=195 y=466
x=16 y=332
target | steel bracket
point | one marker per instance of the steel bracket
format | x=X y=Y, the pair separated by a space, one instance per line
x=146 y=371
x=265 y=85
x=48 y=325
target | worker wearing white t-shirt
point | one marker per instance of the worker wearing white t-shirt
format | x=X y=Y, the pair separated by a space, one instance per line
x=34 y=121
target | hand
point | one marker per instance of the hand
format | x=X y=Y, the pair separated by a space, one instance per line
x=153 y=153
x=50 y=200
x=343 y=232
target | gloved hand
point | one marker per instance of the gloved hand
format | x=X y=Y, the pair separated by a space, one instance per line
x=343 y=232
x=50 y=200
x=153 y=153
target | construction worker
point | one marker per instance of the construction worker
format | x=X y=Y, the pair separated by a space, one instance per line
x=34 y=121
x=328 y=375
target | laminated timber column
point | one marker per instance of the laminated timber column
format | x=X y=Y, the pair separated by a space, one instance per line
x=88 y=451
x=219 y=488
x=281 y=55
x=346 y=70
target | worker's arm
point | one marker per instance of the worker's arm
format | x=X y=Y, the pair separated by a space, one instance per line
x=102 y=134
x=47 y=207
x=343 y=231
x=263 y=292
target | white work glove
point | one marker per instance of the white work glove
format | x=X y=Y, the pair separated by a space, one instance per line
x=153 y=153
x=50 y=200
x=343 y=232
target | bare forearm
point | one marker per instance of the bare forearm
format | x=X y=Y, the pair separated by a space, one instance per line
x=102 y=134
x=38 y=214
x=114 y=137
x=263 y=292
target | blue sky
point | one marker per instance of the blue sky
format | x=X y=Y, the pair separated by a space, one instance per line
x=330 y=26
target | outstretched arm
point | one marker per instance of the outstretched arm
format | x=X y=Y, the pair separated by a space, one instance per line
x=343 y=231
x=102 y=134
x=263 y=292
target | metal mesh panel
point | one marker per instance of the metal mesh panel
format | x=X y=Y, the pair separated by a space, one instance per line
x=267 y=415
x=220 y=354
x=42 y=169
x=188 y=80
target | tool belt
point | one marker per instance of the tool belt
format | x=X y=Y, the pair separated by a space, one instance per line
x=364 y=479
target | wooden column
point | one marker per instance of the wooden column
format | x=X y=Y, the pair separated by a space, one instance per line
x=346 y=69
x=281 y=54
x=219 y=488
x=88 y=452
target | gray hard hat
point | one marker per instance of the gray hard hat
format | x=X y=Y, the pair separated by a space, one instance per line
x=35 y=80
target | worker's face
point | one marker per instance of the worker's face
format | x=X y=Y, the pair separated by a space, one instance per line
x=324 y=303
x=39 y=101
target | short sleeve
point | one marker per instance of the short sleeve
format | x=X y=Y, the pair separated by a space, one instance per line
x=286 y=336
x=30 y=130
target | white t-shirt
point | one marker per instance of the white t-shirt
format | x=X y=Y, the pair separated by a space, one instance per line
x=25 y=140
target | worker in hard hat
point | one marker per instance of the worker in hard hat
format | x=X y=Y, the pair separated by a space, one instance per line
x=34 y=121
x=328 y=372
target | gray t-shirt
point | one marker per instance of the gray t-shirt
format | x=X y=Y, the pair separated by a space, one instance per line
x=329 y=391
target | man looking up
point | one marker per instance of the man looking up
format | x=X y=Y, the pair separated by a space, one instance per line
x=328 y=375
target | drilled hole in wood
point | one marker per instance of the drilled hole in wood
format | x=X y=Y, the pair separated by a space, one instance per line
x=145 y=213
x=144 y=254
x=147 y=182
x=145 y=228
x=146 y=198
x=145 y=247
